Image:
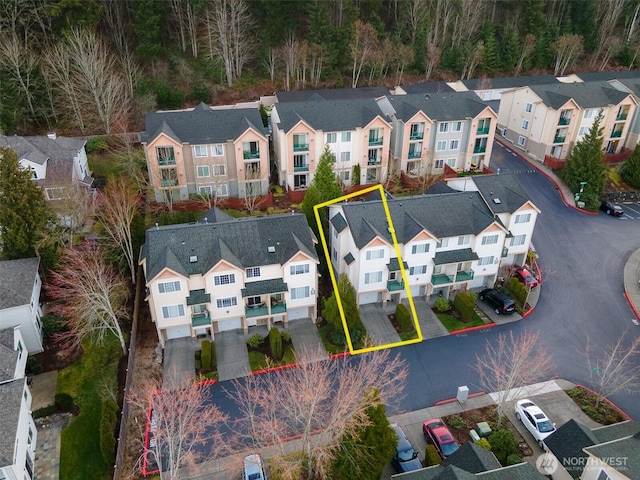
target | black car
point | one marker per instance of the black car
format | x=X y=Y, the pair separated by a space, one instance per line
x=611 y=208
x=406 y=457
x=501 y=302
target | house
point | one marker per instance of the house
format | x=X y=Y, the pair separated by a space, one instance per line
x=208 y=151
x=20 y=286
x=222 y=274
x=432 y=130
x=447 y=239
x=19 y=434
x=547 y=120
x=353 y=128
x=56 y=163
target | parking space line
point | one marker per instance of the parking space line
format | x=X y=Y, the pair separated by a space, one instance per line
x=632 y=209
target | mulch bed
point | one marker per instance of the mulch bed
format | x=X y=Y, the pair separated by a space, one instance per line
x=606 y=414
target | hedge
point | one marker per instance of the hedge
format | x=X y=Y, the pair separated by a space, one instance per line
x=464 y=304
x=64 y=402
x=205 y=357
x=108 y=422
x=403 y=317
x=431 y=456
x=275 y=342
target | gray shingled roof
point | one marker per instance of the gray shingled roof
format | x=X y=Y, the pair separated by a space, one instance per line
x=455 y=256
x=522 y=471
x=263 y=287
x=586 y=94
x=242 y=242
x=439 y=187
x=508 y=82
x=568 y=442
x=394 y=265
x=612 y=453
x=203 y=125
x=17 y=278
x=215 y=215
x=614 y=75
x=439 y=107
x=616 y=431
x=506 y=188
x=427 y=87
x=349 y=259
x=331 y=94
x=329 y=115
x=11 y=395
x=8 y=356
x=196 y=297
x=338 y=222
x=472 y=458
x=446 y=215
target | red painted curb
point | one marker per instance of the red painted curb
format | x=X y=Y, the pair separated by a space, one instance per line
x=472 y=329
x=274 y=369
x=539 y=271
x=450 y=400
x=339 y=355
x=527 y=313
x=631 y=304
x=613 y=405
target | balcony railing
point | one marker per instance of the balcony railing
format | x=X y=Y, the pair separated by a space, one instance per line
x=375 y=142
x=200 y=319
x=564 y=120
x=300 y=147
x=260 y=310
x=440 y=279
x=480 y=149
x=301 y=168
x=621 y=117
x=482 y=131
x=415 y=154
x=278 y=308
x=558 y=139
x=251 y=154
x=374 y=161
x=464 y=276
x=395 y=286
x=416 y=136
x=166 y=161
x=616 y=134
x=169 y=182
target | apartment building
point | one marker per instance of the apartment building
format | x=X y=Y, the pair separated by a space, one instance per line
x=222 y=274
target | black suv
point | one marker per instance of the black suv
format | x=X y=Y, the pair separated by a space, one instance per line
x=501 y=302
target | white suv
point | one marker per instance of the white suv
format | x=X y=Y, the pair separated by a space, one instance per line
x=535 y=420
x=253 y=469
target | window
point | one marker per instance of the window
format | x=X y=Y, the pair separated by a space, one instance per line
x=253 y=188
x=451 y=162
x=20 y=349
x=443 y=243
x=345 y=156
x=375 y=136
x=225 y=279
x=169 y=287
x=299 y=269
x=420 y=269
x=588 y=113
x=331 y=138
x=300 y=142
x=518 y=240
x=439 y=163
x=582 y=131
x=525 y=124
x=299 y=292
x=372 y=277
x=222 y=190
x=219 y=171
x=375 y=254
x=442 y=145
x=528 y=107
x=217 y=150
x=437 y=269
x=420 y=248
x=454 y=144
x=54 y=193
x=253 y=272
x=521 y=140
x=226 y=302
x=200 y=150
x=523 y=218
x=346 y=136
x=34 y=176
x=417 y=131
x=165 y=156
x=254 y=301
x=490 y=240
x=485 y=260
x=344 y=175
x=172 y=311
x=443 y=127
x=205 y=190
x=464 y=239
x=300 y=181
x=203 y=171
x=456 y=126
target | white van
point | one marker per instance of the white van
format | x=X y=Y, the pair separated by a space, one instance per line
x=253 y=468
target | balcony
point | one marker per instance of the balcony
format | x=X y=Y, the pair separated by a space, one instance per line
x=251 y=154
x=375 y=142
x=374 y=161
x=441 y=279
x=169 y=182
x=414 y=154
x=482 y=131
x=299 y=147
x=480 y=149
x=259 y=310
x=200 y=320
x=301 y=168
x=395 y=286
x=279 y=307
x=558 y=139
x=564 y=120
x=616 y=134
x=167 y=161
x=464 y=276
x=621 y=117
x=416 y=136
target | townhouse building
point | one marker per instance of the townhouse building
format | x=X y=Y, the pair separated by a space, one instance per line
x=19 y=434
x=547 y=120
x=206 y=151
x=448 y=239
x=20 y=286
x=436 y=129
x=354 y=129
x=222 y=274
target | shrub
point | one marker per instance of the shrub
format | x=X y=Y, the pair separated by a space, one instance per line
x=484 y=443
x=52 y=324
x=431 y=456
x=275 y=342
x=200 y=93
x=276 y=189
x=214 y=360
x=464 y=305
x=255 y=340
x=205 y=358
x=442 y=304
x=64 y=401
x=108 y=422
x=630 y=170
x=403 y=317
x=514 y=459
x=356 y=175
x=456 y=421
x=338 y=337
x=168 y=97
x=286 y=336
x=518 y=290
x=503 y=444
x=97 y=144
x=34 y=366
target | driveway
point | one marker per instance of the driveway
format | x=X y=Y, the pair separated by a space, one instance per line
x=306 y=339
x=232 y=355
x=378 y=325
x=179 y=362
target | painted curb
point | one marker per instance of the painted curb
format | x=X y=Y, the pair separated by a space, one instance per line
x=451 y=400
x=631 y=304
x=473 y=329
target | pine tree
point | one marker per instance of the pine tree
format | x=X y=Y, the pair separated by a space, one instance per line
x=324 y=187
x=490 y=61
x=24 y=212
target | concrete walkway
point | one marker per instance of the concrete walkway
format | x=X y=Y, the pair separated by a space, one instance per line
x=377 y=323
x=232 y=355
x=43 y=390
x=47 y=462
x=430 y=326
x=179 y=362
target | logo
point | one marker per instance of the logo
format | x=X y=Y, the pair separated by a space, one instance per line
x=547 y=464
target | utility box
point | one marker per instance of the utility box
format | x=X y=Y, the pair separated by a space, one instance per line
x=463 y=394
x=483 y=429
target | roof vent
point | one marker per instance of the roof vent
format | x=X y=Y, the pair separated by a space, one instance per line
x=497 y=200
x=271 y=249
x=193 y=259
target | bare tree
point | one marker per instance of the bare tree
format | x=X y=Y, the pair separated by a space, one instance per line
x=319 y=402
x=526 y=49
x=71 y=207
x=607 y=16
x=416 y=13
x=567 y=49
x=363 y=46
x=181 y=421
x=613 y=368
x=403 y=57
x=90 y=295
x=252 y=192
x=468 y=21
x=22 y=65
x=433 y=58
x=270 y=63
x=510 y=363
x=289 y=53
x=317 y=55
x=472 y=60
x=613 y=48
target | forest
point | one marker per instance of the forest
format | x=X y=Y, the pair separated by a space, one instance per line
x=84 y=67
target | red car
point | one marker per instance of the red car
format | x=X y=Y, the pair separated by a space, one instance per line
x=526 y=277
x=436 y=433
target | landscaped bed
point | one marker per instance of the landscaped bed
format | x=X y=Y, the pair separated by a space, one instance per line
x=606 y=413
x=461 y=313
x=268 y=352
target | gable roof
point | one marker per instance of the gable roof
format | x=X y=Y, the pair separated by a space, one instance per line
x=202 y=124
x=243 y=242
x=612 y=452
x=331 y=94
x=11 y=395
x=17 y=278
x=438 y=106
x=215 y=215
x=472 y=458
x=508 y=82
x=586 y=94
x=8 y=355
x=568 y=441
x=613 y=75
x=616 y=431
x=426 y=87
x=505 y=188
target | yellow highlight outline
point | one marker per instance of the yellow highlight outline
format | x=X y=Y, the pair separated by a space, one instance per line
x=405 y=280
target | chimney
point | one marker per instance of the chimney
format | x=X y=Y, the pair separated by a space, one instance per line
x=52 y=135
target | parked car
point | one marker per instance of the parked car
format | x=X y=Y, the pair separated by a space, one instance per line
x=253 y=468
x=436 y=433
x=611 y=208
x=501 y=302
x=406 y=457
x=535 y=420
x=526 y=277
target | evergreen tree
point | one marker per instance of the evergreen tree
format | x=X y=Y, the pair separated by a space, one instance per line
x=149 y=18
x=583 y=16
x=510 y=48
x=24 y=212
x=324 y=187
x=630 y=169
x=364 y=455
x=490 y=62
x=586 y=163
x=331 y=313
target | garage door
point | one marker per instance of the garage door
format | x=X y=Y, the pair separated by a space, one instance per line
x=178 y=332
x=229 y=324
x=373 y=297
x=297 y=313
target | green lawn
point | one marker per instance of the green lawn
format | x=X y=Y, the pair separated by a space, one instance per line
x=404 y=336
x=258 y=361
x=80 y=456
x=452 y=324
